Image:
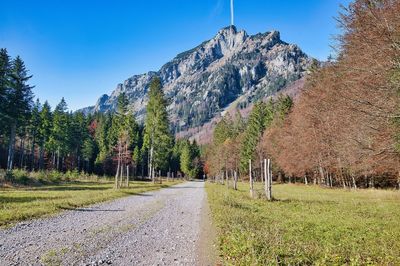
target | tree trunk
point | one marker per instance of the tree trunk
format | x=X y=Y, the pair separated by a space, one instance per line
x=354 y=181
x=58 y=159
x=398 y=180
x=127 y=176
x=142 y=169
x=371 y=182
x=321 y=172
x=41 y=155
x=235 y=180
x=117 y=173
x=33 y=154
x=151 y=166
x=251 y=181
x=21 y=157
x=10 y=158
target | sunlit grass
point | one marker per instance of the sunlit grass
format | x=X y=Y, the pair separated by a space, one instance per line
x=307 y=225
x=17 y=204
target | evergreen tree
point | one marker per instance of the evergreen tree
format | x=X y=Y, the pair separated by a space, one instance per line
x=5 y=73
x=19 y=101
x=186 y=159
x=45 y=127
x=157 y=136
x=136 y=158
x=88 y=150
x=78 y=133
x=252 y=134
x=175 y=160
x=59 y=135
x=34 y=130
x=102 y=137
x=189 y=159
x=223 y=130
x=125 y=133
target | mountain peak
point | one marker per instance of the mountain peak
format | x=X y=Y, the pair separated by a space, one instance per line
x=232 y=67
x=229 y=29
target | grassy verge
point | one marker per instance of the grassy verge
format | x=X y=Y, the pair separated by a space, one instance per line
x=18 y=204
x=307 y=226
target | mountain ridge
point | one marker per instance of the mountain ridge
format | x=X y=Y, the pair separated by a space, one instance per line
x=202 y=81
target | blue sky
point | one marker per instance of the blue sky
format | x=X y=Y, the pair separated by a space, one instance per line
x=81 y=49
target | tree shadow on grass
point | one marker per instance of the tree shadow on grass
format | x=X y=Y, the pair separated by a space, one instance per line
x=73 y=188
x=305 y=201
x=179 y=187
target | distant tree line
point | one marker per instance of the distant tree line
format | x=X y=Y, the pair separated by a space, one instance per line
x=344 y=128
x=36 y=138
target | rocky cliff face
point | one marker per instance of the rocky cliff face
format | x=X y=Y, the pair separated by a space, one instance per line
x=200 y=83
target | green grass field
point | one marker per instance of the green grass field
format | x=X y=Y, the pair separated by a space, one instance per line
x=307 y=225
x=18 y=204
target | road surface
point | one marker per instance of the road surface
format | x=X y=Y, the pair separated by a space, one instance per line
x=165 y=227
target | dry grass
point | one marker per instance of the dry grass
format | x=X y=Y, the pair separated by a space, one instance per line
x=307 y=225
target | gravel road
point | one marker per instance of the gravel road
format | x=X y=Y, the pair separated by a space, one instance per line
x=155 y=228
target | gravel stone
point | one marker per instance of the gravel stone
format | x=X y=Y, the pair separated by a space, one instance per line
x=158 y=227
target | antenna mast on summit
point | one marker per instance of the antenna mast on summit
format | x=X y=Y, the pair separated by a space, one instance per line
x=232 y=14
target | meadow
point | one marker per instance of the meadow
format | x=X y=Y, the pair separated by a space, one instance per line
x=306 y=225
x=27 y=202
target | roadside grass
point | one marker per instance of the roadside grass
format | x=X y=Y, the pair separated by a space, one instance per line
x=18 y=204
x=306 y=225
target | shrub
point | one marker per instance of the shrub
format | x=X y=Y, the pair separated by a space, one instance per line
x=20 y=176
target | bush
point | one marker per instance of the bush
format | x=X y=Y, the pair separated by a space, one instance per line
x=20 y=176
x=24 y=177
x=72 y=175
x=54 y=176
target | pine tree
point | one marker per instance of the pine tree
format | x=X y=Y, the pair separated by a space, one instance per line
x=157 y=136
x=223 y=130
x=186 y=159
x=252 y=134
x=19 y=101
x=59 y=135
x=45 y=127
x=125 y=133
x=102 y=138
x=5 y=73
x=88 y=150
x=78 y=133
x=34 y=130
x=190 y=159
x=136 y=158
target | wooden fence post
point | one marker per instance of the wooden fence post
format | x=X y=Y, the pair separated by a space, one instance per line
x=268 y=182
x=251 y=181
x=266 y=176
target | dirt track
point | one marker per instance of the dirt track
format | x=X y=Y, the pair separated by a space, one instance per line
x=164 y=227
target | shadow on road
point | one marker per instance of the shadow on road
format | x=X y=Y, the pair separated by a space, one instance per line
x=90 y=210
